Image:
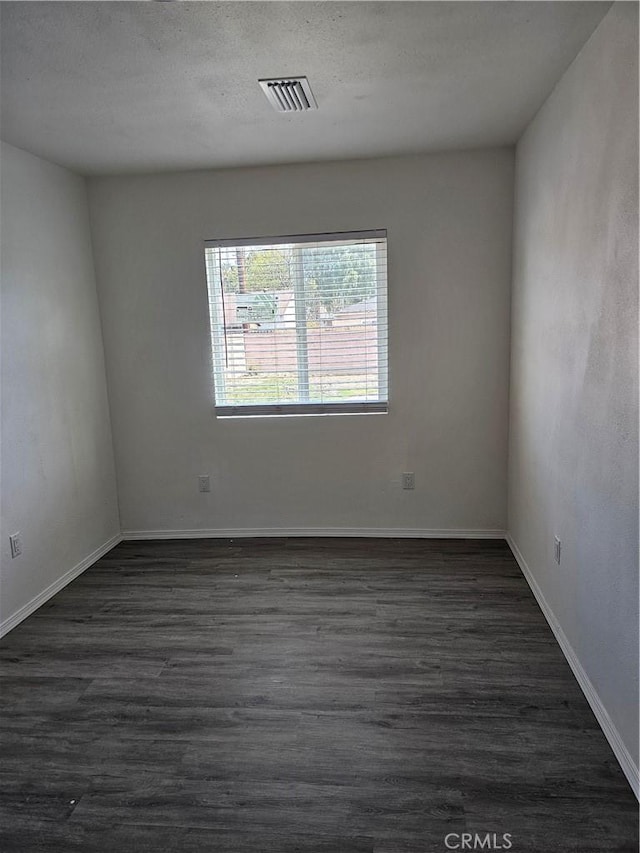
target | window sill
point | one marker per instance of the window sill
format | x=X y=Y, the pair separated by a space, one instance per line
x=296 y=410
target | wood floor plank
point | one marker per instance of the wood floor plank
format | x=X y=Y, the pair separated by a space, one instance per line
x=321 y=696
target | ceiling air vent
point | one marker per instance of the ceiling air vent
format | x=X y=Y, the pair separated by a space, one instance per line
x=289 y=94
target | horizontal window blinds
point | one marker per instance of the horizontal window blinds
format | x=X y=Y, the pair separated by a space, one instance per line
x=299 y=324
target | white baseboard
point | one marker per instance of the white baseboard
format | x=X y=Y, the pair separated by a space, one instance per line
x=625 y=759
x=38 y=600
x=364 y=532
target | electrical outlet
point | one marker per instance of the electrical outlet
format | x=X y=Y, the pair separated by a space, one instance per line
x=16 y=545
x=408 y=480
x=557 y=549
x=204 y=483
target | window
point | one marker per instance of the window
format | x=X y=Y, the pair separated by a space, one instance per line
x=299 y=324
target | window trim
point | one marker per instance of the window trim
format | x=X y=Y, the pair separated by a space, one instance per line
x=329 y=237
x=303 y=407
x=264 y=409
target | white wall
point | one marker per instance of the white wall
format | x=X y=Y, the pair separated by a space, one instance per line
x=449 y=241
x=574 y=369
x=58 y=476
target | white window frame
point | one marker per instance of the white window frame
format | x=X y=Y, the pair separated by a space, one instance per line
x=302 y=406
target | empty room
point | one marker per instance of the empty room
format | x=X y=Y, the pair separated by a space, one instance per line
x=319 y=475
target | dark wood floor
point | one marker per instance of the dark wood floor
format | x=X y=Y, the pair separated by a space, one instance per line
x=300 y=695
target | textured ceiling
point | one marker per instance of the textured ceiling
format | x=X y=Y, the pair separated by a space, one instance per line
x=109 y=87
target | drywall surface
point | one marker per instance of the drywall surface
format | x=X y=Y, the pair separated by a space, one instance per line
x=574 y=369
x=58 y=474
x=449 y=247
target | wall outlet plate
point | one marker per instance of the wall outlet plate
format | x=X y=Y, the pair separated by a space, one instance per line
x=557 y=549
x=204 y=483
x=408 y=480
x=15 y=542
